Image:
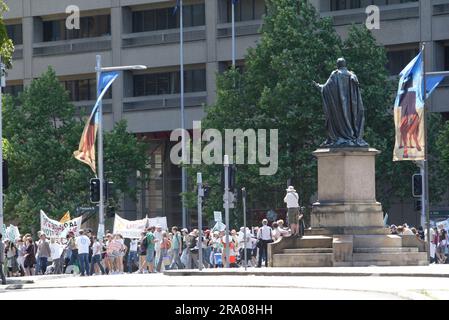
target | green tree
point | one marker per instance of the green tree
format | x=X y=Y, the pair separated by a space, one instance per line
x=275 y=91
x=43 y=131
x=6 y=44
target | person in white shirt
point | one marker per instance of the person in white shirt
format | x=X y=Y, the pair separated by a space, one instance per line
x=97 y=248
x=264 y=237
x=132 y=256
x=291 y=199
x=56 y=252
x=157 y=246
x=83 y=243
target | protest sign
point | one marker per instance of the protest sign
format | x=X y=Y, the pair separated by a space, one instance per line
x=12 y=233
x=129 y=229
x=56 y=229
x=158 y=221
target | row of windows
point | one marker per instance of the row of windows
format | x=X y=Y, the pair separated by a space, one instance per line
x=246 y=10
x=13 y=90
x=84 y=89
x=15 y=33
x=355 y=4
x=95 y=26
x=169 y=82
x=162 y=19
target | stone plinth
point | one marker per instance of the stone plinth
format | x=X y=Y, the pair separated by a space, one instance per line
x=347 y=221
x=346 y=190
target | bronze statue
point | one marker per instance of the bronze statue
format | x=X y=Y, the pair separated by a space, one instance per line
x=343 y=108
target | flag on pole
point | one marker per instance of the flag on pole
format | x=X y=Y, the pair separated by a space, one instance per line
x=86 y=149
x=409 y=110
x=432 y=82
x=66 y=217
x=176 y=8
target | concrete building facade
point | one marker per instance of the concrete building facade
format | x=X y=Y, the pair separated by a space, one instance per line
x=146 y=32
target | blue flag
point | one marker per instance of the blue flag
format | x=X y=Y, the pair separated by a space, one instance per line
x=432 y=82
x=176 y=8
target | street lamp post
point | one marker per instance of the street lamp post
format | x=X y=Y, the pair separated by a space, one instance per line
x=2 y=84
x=99 y=69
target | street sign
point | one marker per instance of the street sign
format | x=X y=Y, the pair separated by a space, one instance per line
x=231 y=200
x=217 y=216
x=439 y=213
x=79 y=210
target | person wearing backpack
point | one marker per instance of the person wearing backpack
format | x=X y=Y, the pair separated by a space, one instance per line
x=177 y=247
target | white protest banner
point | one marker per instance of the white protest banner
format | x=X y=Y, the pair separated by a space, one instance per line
x=129 y=229
x=152 y=222
x=218 y=216
x=219 y=226
x=12 y=233
x=55 y=229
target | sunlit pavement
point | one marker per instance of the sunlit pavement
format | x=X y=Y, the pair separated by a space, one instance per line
x=241 y=287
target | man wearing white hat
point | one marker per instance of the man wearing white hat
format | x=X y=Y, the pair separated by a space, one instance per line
x=291 y=199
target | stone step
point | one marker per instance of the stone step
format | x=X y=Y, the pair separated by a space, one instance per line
x=315 y=242
x=395 y=259
x=377 y=241
x=308 y=250
x=384 y=250
x=302 y=260
x=371 y=263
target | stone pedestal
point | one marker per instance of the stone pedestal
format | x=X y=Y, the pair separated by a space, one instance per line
x=347 y=221
x=347 y=191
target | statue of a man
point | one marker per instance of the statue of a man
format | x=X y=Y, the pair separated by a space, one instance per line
x=343 y=108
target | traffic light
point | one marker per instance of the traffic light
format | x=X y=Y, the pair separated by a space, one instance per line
x=417 y=185
x=5 y=175
x=231 y=178
x=95 y=190
x=110 y=211
x=108 y=190
x=206 y=190
x=418 y=204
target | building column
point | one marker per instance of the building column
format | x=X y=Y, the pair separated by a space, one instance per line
x=116 y=45
x=211 y=45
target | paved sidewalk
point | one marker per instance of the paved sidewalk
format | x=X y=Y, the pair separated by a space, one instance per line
x=33 y=279
x=433 y=270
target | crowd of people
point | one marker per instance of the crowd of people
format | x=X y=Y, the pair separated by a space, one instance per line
x=155 y=251
x=439 y=249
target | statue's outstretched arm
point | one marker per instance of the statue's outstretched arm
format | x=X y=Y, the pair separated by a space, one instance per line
x=317 y=85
